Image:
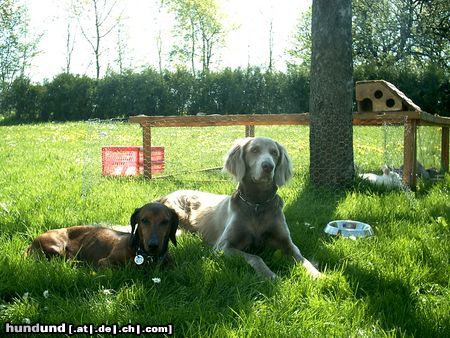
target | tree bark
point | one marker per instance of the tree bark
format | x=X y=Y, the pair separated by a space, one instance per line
x=331 y=94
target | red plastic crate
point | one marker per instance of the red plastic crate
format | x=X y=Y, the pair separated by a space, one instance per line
x=129 y=160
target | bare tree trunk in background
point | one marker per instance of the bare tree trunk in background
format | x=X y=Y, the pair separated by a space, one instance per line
x=122 y=47
x=102 y=15
x=270 y=45
x=159 y=37
x=193 y=46
x=97 y=40
x=331 y=94
x=159 y=46
x=70 y=44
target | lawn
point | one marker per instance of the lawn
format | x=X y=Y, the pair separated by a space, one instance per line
x=395 y=283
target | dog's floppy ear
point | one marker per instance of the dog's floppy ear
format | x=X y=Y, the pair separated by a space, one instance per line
x=174 y=220
x=283 y=170
x=234 y=161
x=134 y=220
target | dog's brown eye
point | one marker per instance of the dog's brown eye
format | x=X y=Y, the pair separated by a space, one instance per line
x=274 y=153
x=254 y=150
x=145 y=221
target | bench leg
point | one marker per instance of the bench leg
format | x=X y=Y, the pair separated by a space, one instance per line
x=410 y=153
x=444 y=149
x=249 y=131
x=147 y=144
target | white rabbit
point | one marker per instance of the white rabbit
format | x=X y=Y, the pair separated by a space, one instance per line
x=389 y=179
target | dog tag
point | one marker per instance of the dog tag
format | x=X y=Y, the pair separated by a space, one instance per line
x=138 y=259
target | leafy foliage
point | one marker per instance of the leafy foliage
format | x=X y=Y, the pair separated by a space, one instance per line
x=71 y=97
x=16 y=48
x=68 y=97
x=25 y=99
x=390 y=34
x=231 y=91
x=199 y=24
x=403 y=42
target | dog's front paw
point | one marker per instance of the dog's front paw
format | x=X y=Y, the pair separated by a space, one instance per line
x=311 y=269
x=266 y=273
x=272 y=277
x=316 y=274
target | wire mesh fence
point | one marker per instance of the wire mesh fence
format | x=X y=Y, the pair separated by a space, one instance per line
x=196 y=154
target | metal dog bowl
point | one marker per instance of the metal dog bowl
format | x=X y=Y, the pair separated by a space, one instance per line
x=348 y=228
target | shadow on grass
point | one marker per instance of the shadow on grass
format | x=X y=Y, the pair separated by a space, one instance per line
x=389 y=300
x=307 y=216
x=200 y=288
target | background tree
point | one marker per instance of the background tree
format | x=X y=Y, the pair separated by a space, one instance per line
x=159 y=36
x=122 y=60
x=71 y=29
x=300 y=52
x=17 y=46
x=270 y=67
x=70 y=45
x=402 y=32
x=407 y=33
x=24 y=99
x=97 y=19
x=331 y=94
x=198 y=22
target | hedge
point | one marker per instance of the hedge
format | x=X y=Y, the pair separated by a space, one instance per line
x=71 y=97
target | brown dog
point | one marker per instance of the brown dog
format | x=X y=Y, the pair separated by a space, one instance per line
x=151 y=228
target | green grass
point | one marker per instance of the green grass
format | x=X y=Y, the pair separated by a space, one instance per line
x=395 y=283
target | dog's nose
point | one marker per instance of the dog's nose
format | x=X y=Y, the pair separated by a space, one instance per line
x=153 y=244
x=267 y=167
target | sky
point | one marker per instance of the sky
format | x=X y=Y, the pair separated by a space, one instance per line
x=247 y=40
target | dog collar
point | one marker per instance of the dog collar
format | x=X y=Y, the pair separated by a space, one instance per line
x=256 y=206
x=142 y=257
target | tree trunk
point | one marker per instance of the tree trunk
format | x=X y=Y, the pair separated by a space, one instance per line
x=70 y=43
x=331 y=94
x=97 y=41
x=193 y=46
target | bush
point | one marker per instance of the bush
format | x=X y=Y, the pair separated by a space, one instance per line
x=181 y=89
x=68 y=98
x=24 y=99
x=231 y=91
x=123 y=95
x=250 y=91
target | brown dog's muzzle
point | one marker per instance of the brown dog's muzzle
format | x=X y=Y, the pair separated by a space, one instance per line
x=153 y=246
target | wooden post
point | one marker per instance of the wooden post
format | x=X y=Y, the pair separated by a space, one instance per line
x=410 y=153
x=147 y=144
x=250 y=130
x=444 y=149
